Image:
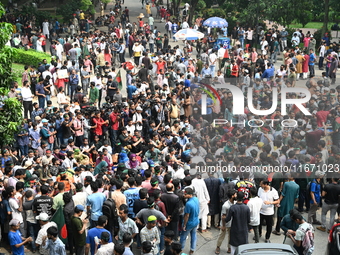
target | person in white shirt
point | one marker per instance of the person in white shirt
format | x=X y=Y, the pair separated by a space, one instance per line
x=263 y=43
x=185 y=25
x=61 y=98
x=322 y=52
x=225 y=226
x=220 y=55
x=99 y=85
x=270 y=198
x=212 y=62
x=105 y=247
x=27 y=97
x=255 y=204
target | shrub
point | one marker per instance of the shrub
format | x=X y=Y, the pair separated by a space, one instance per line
x=30 y=57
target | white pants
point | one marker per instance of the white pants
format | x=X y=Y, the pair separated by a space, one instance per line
x=305 y=75
x=232 y=248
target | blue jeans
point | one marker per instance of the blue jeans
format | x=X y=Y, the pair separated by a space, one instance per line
x=242 y=42
x=193 y=240
x=212 y=69
x=65 y=140
x=48 y=97
x=73 y=88
x=32 y=230
x=114 y=137
x=41 y=101
x=161 y=244
x=152 y=50
x=23 y=149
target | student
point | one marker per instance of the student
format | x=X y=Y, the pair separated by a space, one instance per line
x=16 y=241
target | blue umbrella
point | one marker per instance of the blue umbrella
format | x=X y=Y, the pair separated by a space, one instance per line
x=215 y=22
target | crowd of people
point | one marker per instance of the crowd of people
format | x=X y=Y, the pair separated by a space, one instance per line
x=131 y=161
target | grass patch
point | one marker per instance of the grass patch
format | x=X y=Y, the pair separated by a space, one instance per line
x=316 y=25
x=18 y=69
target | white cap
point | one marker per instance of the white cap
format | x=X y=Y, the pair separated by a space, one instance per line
x=42 y=217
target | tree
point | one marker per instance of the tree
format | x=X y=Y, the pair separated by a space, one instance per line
x=326 y=18
x=11 y=113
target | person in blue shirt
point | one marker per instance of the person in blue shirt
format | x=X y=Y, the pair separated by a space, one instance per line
x=52 y=243
x=16 y=241
x=132 y=194
x=96 y=232
x=131 y=89
x=315 y=192
x=210 y=103
x=206 y=71
x=312 y=60
x=40 y=92
x=174 y=29
x=191 y=220
x=187 y=82
x=95 y=203
x=269 y=72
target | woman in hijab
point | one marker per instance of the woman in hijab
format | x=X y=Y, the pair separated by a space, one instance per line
x=133 y=163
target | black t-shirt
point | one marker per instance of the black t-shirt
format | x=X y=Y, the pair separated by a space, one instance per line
x=112 y=87
x=43 y=204
x=143 y=74
x=268 y=35
x=66 y=130
x=333 y=192
x=137 y=148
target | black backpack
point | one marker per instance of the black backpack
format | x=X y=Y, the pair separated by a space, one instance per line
x=109 y=208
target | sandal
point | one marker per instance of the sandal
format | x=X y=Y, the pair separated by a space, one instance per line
x=217 y=251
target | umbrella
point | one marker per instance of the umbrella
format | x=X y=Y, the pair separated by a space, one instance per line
x=215 y=22
x=188 y=34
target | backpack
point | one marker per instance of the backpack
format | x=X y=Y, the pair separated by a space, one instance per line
x=167 y=26
x=109 y=208
x=308 y=190
x=308 y=240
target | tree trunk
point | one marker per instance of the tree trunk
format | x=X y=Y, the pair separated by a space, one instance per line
x=193 y=5
x=325 y=19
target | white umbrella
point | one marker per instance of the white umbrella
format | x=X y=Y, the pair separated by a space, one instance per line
x=188 y=34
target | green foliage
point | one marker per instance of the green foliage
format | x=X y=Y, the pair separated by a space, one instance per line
x=201 y=5
x=10 y=120
x=30 y=57
x=318 y=35
x=68 y=9
x=11 y=113
x=41 y=16
x=6 y=53
x=212 y=12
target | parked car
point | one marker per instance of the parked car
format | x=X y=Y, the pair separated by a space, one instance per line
x=265 y=248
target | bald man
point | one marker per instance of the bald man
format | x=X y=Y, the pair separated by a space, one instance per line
x=171 y=202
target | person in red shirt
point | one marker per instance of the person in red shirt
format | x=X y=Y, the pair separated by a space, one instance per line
x=160 y=63
x=98 y=123
x=321 y=115
x=141 y=23
x=115 y=118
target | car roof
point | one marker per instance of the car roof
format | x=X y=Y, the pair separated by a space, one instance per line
x=265 y=248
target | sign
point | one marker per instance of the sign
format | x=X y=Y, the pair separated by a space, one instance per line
x=62 y=74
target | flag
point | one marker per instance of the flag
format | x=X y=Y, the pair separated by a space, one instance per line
x=58 y=218
x=119 y=80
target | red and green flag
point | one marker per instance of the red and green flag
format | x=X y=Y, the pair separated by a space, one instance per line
x=58 y=218
x=119 y=80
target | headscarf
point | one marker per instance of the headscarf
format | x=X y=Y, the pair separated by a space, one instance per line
x=133 y=164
